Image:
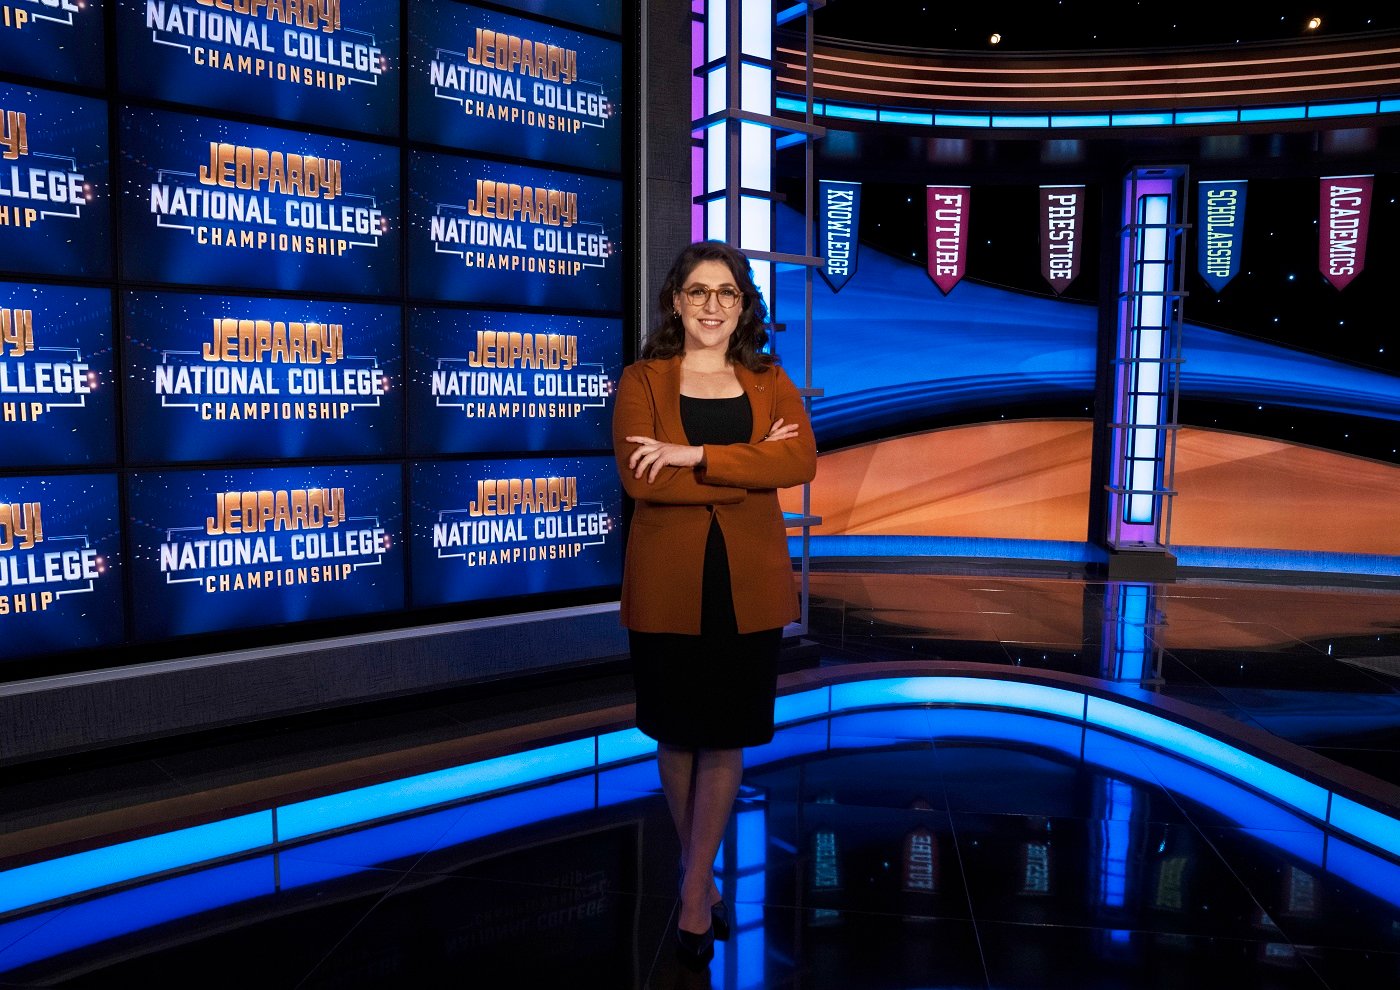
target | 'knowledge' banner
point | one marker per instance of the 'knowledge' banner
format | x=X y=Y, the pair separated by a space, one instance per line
x=840 y=231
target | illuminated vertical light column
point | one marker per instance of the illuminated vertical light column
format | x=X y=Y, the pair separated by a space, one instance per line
x=1130 y=651
x=1146 y=361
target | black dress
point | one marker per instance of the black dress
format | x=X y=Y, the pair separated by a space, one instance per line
x=714 y=690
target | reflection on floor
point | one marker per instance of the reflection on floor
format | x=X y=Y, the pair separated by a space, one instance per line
x=908 y=847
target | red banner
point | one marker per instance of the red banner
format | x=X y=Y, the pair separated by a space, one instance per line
x=948 y=210
x=1061 y=234
x=1344 y=218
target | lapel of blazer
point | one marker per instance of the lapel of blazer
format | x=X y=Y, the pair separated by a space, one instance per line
x=666 y=393
x=759 y=389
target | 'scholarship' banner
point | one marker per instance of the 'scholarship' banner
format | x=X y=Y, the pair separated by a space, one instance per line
x=948 y=210
x=840 y=231
x=1344 y=215
x=1061 y=234
x=1220 y=226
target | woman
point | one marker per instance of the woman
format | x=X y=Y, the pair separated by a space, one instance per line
x=706 y=429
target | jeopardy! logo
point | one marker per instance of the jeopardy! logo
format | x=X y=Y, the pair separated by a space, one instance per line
x=256 y=540
x=511 y=227
x=37 y=379
x=521 y=520
x=270 y=370
x=520 y=376
x=298 y=42
x=37 y=569
x=504 y=77
x=48 y=11
x=246 y=198
x=36 y=185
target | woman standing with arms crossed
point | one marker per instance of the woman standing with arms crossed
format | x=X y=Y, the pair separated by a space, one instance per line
x=706 y=429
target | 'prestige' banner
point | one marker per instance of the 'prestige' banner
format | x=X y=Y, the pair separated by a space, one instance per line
x=948 y=209
x=237 y=549
x=228 y=377
x=54 y=40
x=1344 y=214
x=510 y=381
x=1220 y=226
x=211 y=202
x=57 y=387
x=483 y=81
x=54 y=218
x=1061 y=234
x=482 y=231
x=486 y=529
x=839 y=231
x=60 y=580
x=326 y=62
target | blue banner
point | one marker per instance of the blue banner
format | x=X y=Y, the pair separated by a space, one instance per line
x=235 y=549
x=486 y=232
x=55 y=40
x=487 y=82
x=839 y=230
x=327 y=62
x=54 y=214
x=1220 y=231
x=58 y=388
x=488 y=529
x=212 y=202
x=228 y=378
x=482 y=381
x=60 y=564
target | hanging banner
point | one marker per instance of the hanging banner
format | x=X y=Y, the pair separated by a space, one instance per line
x=840 y=230
x=948 y=210
x=1061 y=234
x=1344 y=218
x=1220 y=227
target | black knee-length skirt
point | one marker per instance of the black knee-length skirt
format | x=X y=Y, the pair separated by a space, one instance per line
x=714 y=690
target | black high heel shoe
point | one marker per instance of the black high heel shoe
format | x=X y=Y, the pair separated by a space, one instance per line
x=719 y=920
x=695 y=950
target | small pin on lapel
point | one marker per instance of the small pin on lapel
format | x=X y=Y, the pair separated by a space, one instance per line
x=759 y=387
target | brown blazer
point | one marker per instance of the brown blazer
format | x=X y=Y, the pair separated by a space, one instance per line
x=661 y=579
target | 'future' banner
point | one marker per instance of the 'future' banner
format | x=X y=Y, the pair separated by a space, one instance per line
x=840 y=231
x=948 y=210
x=1344 y=215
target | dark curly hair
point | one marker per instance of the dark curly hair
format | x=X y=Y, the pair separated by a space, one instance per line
x=667 y=337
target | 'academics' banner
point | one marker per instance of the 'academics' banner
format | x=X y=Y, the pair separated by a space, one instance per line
x=229 y=377
x=488 y=82
x=481 y=381
x=211 y=202
x=54 y=40
x=483 y=231
x=60 y=579
x=1220 y=230
x=948 y=209
x=235 y=549
x=54 y=218
x=839 y=230
x=1061 y=234
x=328 y=62
x=1344 y=219
x=489 y=529
x=57 y=388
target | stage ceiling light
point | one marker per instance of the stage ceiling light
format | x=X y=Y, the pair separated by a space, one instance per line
x=1314 y=23
x=995 y=39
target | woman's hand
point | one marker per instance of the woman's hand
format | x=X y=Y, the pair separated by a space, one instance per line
x=780 y=432
x=653 y=455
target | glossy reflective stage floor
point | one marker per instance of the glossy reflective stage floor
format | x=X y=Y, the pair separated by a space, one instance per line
x=908 y=847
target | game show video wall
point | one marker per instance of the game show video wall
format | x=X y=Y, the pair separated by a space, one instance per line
x=311 y=321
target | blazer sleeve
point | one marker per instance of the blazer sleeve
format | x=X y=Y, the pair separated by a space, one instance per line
x=634 y=415
x=768 y=464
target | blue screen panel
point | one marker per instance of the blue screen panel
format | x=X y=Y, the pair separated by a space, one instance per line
x=485 y=81
x=57 y=382
x=486 y=232
x=487 y=529
x=211 y=202
x=333 y=64
x=481 y=381
x=604 y=15
x=212 y=377
x=54 y=40
x=60 y=564
x=54 y=217
x=234 y=549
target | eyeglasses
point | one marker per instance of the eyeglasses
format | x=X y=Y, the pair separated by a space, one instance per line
x=698 y=296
